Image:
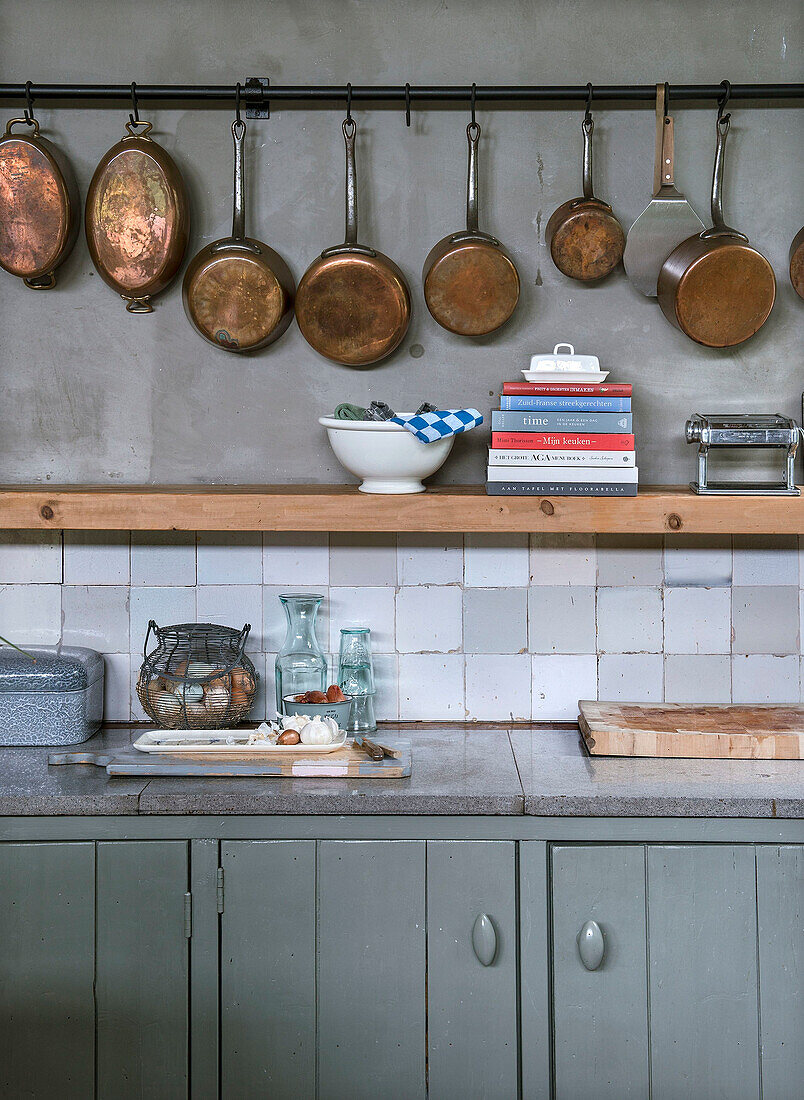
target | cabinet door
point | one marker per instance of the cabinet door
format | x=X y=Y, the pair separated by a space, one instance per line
x=780 y=908
x=371 y=969
x=47 y=944
x=268 y=969
x=703 y=972
x=471 y=1007
x=600 y=1016
x=141 y=969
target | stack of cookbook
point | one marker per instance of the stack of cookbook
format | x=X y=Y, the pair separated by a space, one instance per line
x=563 y=431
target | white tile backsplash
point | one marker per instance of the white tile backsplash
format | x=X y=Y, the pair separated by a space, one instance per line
x=117 y=687
x=429 y=619
x=496 y=561
x=30 y=614
x=480 y=627
x=30 y=557
x=96 y=557
x=559 y=680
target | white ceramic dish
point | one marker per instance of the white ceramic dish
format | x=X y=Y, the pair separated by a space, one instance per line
x=387 y=457
x=561 y=378
x=197 y=741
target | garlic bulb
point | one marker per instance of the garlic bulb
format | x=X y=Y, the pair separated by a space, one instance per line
x=293 y=722
x=316 y=732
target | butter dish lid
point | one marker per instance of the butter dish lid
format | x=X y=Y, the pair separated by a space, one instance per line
x=65 y=668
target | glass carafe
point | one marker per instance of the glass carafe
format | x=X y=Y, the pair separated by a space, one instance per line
x=356 y=677
x=300 y=663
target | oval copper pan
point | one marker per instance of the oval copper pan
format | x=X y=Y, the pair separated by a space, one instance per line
x=137 y=219
x=39 y=206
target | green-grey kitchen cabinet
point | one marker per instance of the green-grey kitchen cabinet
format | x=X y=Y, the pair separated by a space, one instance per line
x=144 y=921
x=47 y=947
x=93 y=969
x=676 y=971
x=471 y=969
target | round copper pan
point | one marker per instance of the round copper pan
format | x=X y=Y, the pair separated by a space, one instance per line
x=797 y=263
x=353 y=303
x=137 y=218
x=39 y=206
x=714 y=286
x=585 y=239
x=238 y=292
x=471 y=284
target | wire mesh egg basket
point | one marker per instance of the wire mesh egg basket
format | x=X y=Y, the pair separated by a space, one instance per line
x=197 y=677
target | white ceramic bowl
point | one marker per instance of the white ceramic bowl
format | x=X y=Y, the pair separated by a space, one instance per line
x=387 y=457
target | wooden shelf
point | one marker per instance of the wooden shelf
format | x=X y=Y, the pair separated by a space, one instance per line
x=656 y=510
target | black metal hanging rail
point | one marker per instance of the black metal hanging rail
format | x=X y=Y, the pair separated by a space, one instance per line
x=257 y=93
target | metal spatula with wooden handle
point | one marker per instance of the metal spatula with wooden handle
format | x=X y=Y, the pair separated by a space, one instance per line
x=667 y=220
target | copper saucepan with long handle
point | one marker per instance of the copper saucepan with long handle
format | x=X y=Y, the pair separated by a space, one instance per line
x=238 y=292
x=714 y=286
x=353 y=303
x=471 y=284
x=585 y=239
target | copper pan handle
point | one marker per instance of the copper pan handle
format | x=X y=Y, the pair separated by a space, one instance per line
x=588 y=129
x=473 y=135
x=239 y=201
x=719 y=227
x=349 y=131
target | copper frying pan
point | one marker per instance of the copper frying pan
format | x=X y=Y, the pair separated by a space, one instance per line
x=238 y=292
x=714 y=286
x=796 y=260
x=585 y=239
x=353 y=303
x=471 y=284
x=39 y=206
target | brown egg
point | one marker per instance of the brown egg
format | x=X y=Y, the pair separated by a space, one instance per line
x=180 y=669
x=288 y=737
x=315 y=697
x=335 y=695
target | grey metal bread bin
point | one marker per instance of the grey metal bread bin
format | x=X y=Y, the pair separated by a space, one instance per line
x=55 y=700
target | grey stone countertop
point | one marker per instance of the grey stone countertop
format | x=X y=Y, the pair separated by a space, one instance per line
x=457 y=770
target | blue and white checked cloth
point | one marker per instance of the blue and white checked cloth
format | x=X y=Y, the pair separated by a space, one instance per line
x=428 y=427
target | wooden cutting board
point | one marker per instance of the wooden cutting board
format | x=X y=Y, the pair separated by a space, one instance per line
x=673 y=729
x=347 y=762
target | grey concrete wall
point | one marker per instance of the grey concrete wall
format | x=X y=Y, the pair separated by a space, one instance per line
x=91 y=393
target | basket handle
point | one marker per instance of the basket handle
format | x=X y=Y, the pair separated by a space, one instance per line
x=151 y=626
x=241 y=639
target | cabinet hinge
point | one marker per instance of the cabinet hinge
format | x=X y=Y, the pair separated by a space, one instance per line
x=188 y=915
x=219 y=890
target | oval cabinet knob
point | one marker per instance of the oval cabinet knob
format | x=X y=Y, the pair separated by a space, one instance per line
x=484 y=939
x=591 y=945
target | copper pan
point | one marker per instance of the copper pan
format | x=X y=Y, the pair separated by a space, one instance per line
x=137 y=218
x=471 y=284
x=39 y=206
x=714 y=286
x=585 y=239
x=353 y=303
x=797 y=263
x=238 y=292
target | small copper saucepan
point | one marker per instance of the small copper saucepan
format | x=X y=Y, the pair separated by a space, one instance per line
x=714 y=286
x=471 y=284
x=796 y=260
x=353 y=303
x=585 y=239
x=39 y=205
x=238 y=292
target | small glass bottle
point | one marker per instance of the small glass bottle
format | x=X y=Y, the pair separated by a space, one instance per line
x=300 y=663
x=356 y=677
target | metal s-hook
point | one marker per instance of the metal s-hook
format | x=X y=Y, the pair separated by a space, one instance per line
x=407 y=104
x=349 y=103
x=237 y=102
x=134 y=117
x=588 y=112
x=723 y=100
x=472 y=98
x=28 y=111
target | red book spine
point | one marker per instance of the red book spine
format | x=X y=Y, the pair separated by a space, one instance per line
x=571 y=389
x=559 y=441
